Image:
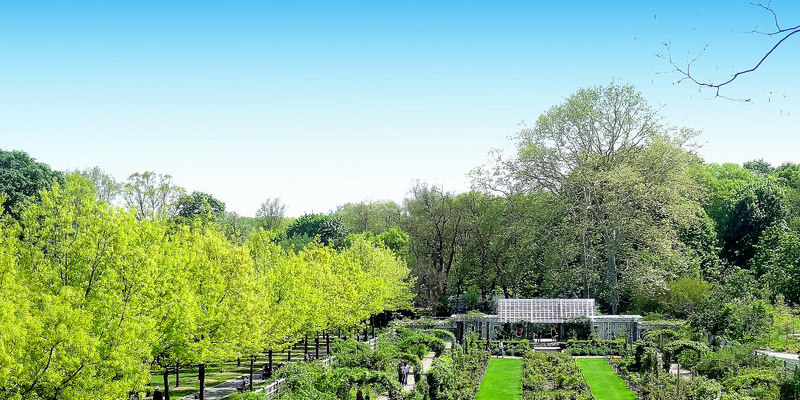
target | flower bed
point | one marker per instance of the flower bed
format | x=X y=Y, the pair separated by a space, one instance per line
x=596 y=347
x=547 y=376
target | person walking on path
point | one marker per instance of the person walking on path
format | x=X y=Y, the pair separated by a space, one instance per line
x=157 y=395
x=406 y=368
x=400 y=372
x=500 y=349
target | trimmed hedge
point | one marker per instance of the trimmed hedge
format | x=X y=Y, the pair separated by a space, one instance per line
x=597 y=347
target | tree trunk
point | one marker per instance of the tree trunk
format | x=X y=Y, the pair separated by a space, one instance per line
x=328 y=344
x=252 y=360
x=269 y=371
x=201 y=374
x=177 y=374
x=305 y=347
x=585 y=263
x=611 y=272
x=316 y=346
x=166 y=384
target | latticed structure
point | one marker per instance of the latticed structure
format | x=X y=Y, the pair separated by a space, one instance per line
x=554 y=312
x=543 y=311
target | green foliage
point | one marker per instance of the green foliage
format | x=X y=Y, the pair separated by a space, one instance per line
x=759 y=167
x=455 y=375
x=95 y=296
x=739 y=320
x=393 y=239
x=21 y=178
x=413 y=339
x=199 y=203
x=755 y=383
x=752 y=209
x=370 y=217
x=777 y=262
x=271 y=214
x=687 y=352
x=152 y=195
x=84 y=326
x=596 y=347
x=552 y=376
x=107 y=187
x=684 y=295
x=327 y=228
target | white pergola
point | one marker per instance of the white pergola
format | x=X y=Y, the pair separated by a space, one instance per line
x=543 y=311
x=550 y=311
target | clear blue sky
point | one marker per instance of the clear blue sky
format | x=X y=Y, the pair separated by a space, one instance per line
x=321 y=103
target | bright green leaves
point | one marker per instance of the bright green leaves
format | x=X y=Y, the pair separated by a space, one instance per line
x=87 y=329
x=94 y=297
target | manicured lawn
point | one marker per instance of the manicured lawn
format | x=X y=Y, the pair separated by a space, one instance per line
x=502 y=380
x=604 y=382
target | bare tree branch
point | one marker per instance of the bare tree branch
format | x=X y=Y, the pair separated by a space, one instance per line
x=686 y=72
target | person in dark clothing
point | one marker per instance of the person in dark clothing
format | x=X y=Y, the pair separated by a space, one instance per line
x=400 y=372
x=157 y=395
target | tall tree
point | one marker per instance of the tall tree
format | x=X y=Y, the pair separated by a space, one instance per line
x=108 y=189
x=22 y=177
x=152 y=195
x=619 y=172
x=752 y=209
x=434 y=224
x=89 y=286
x=370 y=216
x=328 y=229
x=271 y=214
x=199 y=203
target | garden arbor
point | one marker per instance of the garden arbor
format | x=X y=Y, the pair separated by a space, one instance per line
x=555 y=314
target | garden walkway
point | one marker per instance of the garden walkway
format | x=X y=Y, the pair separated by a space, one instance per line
x=230 y=386
x=224 y=389
x=789 y=360
x=427 y=363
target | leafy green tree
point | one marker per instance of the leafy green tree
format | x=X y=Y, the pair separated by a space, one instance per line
x=394 y=239
x=759 y=167
x=752 y=209
x=236 y=227
x=374 y=217
x=684 y=295
x=777 y=262
x=329 y=229
x=152 y=195
x=107 y=188
x=271 y=214
x=199 y=203
x=89 y=286
x=623 y=180
x=17 y=320
x=434 y=225
x=720 y=182
x=21 y=178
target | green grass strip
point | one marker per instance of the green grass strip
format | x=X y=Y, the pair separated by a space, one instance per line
x=604 y=382
x=501 y=380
